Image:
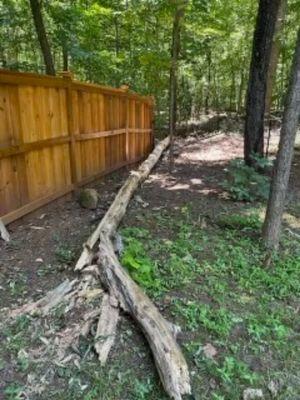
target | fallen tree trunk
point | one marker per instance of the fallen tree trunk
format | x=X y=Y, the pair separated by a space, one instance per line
x=171 y=365
x=46 y=303
x=169 y=360
x=106 y=328
x=116 y=211
x=4 y=232
x=168 y=357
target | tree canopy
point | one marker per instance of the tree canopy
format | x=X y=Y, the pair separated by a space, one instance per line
x=116 y=42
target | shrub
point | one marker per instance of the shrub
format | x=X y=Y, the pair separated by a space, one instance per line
x=244 y=183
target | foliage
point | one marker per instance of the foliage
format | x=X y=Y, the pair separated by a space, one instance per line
x=135 y=259
x=244 y=183
x=13 y=391
x=116 y=42
x=64 y=254
x=218 y=320
x=243 y=222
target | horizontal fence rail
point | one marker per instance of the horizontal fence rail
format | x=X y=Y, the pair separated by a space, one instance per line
x=57 y=133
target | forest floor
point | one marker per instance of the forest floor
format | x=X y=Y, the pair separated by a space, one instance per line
x=198 y=255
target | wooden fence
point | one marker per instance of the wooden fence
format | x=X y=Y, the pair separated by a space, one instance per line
x=57 y=133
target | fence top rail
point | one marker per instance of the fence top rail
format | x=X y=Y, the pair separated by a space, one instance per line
x=29 y=78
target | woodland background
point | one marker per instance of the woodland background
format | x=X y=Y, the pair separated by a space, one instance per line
x=128 y=42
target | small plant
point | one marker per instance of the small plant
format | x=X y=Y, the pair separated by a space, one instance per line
x=242 y=222
x=136 y=260
x=64 y=255
x=218 y=321
x=142 y=389
x=268 y=328
x=13 y=392
x=245 y=183
x=234 y=369
x=16 y=334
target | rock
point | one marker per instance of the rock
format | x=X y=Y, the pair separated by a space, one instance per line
x=252 y=394
x=139 y=200
x=88 y=198
x=210 y=351
x=274 y=387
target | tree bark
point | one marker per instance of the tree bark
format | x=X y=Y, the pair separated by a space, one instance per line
x=42 y=36
x=179 y=13
x=273 y=219
x=275 y=52
x=257 y=85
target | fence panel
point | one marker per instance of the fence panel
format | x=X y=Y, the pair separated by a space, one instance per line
x=57 y=133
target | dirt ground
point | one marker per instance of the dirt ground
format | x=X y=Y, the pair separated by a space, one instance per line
x=45 y=245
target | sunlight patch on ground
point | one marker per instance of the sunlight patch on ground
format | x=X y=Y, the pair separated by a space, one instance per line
x=220 y=148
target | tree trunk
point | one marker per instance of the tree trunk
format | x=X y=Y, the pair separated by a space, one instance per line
x=272 y=224
x=241 y=92
x=275 y=52
x=257 y=85
x=207 y=95
x=42 y=36
x=169 y=360
x=232 y=99
x=179 y=13
x=65 y=58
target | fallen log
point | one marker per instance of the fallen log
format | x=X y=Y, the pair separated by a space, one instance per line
x=169 y=360
x=106 y=328
x=4 y=232
x=43 y=306
x=117 y=209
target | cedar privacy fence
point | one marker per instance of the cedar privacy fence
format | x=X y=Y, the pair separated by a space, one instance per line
x=57 y=133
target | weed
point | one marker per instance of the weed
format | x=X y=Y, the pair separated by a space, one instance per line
x=17 y=287
x=13 y=391
x=245 y=183
x=64 y=254
x=136 y=260
x=16 y=334
x=232 y=369
x=241 y=222
x=142 y=389
x=219 y=321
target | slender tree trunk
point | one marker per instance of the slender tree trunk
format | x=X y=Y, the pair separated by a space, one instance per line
x=256 y=95
x=117 y=40
x=275 y=52
x=272 y=224
x=241 y=92
x=207 y=96
x=232 y=99
x=65 y=58
x=42 y=36
x=179 y=13
x=216 y=93
x=284 y=67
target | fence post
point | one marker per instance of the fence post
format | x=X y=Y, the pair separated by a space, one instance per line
x=152 y=122
x=126 y=89
x=67 y=75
